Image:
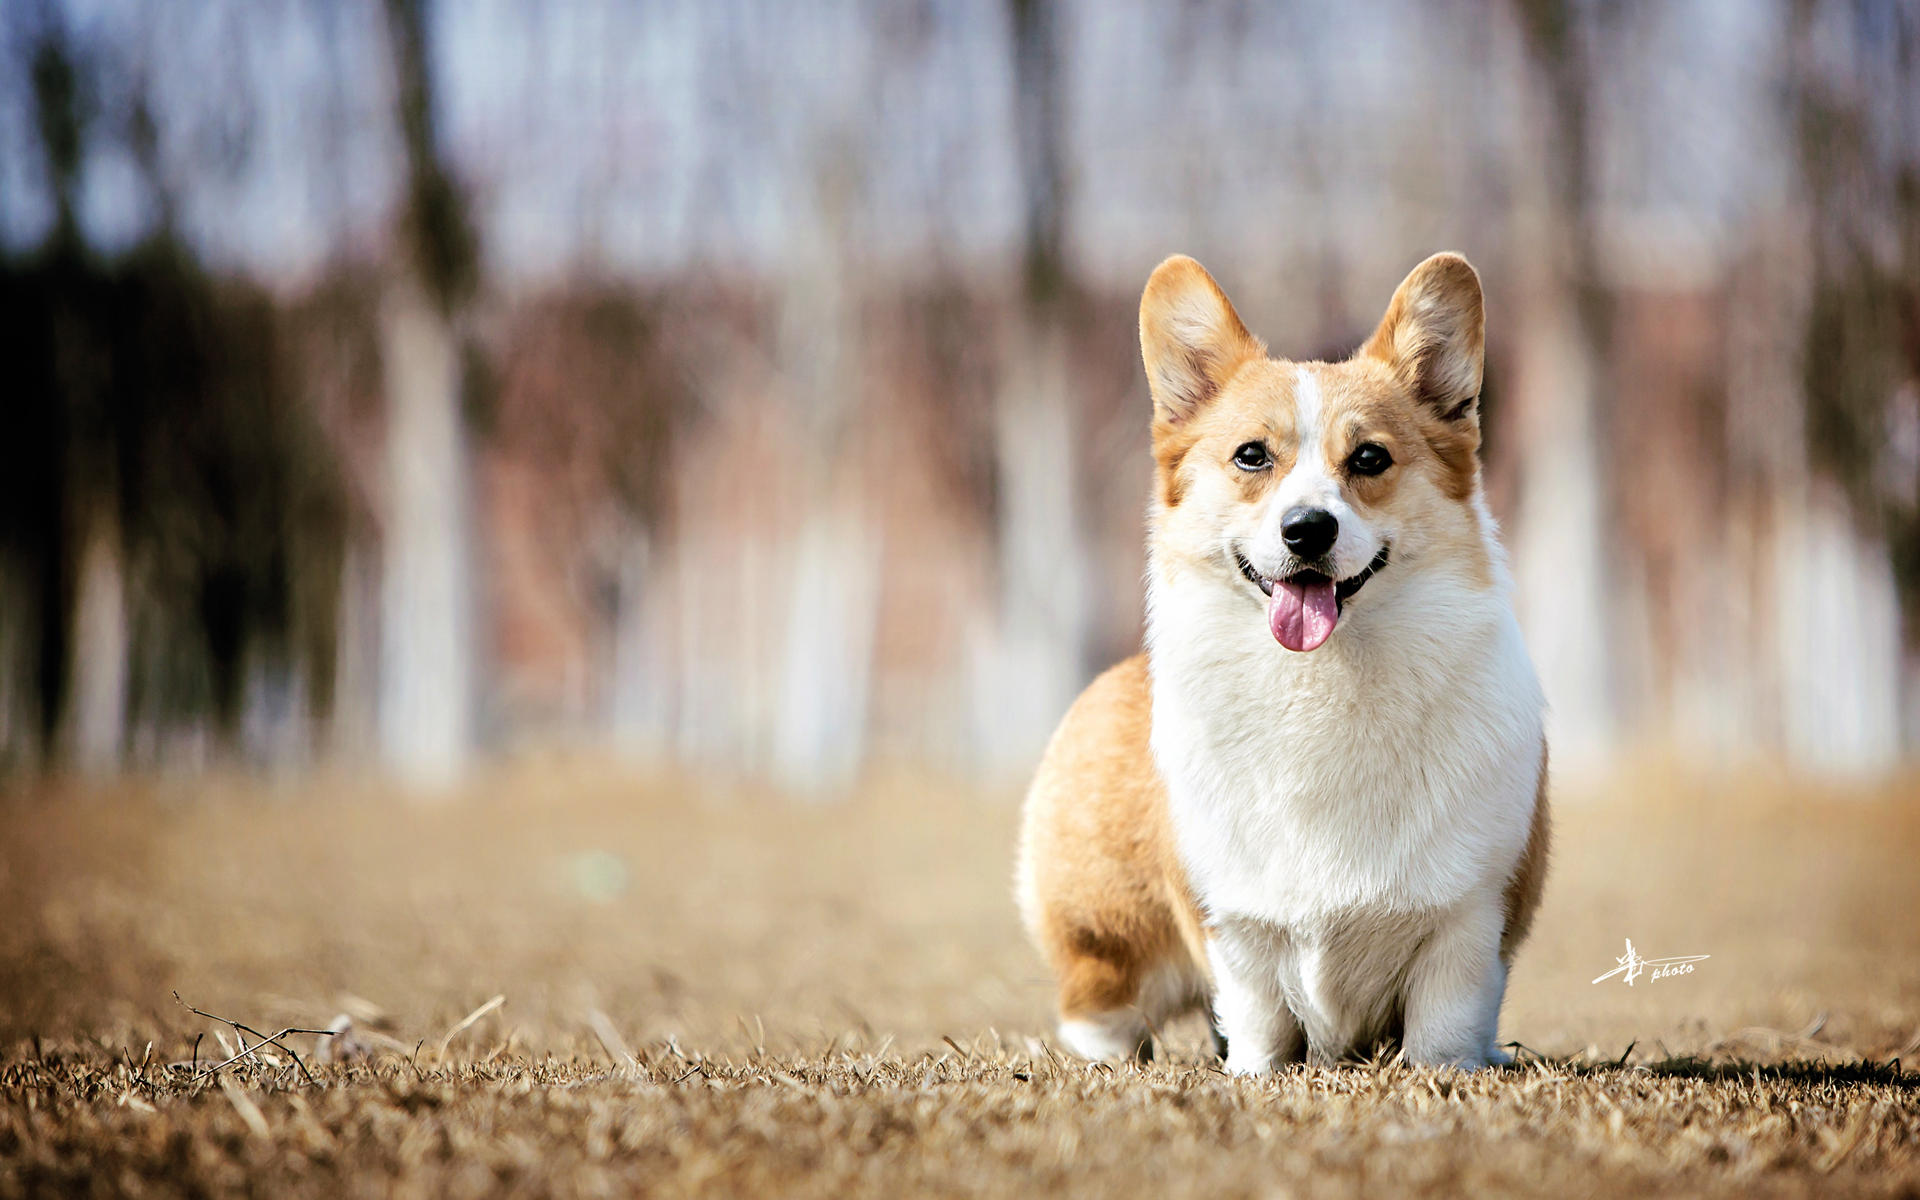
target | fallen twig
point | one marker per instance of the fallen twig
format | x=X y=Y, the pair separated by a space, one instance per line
x=253 y=1050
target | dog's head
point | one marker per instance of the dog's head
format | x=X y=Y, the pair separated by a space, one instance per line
x=1298 y=484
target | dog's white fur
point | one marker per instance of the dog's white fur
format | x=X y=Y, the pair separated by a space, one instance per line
x=1351 y=816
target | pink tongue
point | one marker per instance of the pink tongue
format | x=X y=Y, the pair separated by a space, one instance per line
x=1302 y=615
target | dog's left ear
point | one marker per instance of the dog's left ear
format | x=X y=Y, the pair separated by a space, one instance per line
x=1434 y=336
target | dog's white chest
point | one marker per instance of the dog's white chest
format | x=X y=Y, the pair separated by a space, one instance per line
x=1392 y=772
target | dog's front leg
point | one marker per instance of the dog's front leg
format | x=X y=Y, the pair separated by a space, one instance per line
x=1250 y=1009
x=1454 y=991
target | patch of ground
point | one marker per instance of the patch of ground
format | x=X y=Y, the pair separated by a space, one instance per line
x=710 y=991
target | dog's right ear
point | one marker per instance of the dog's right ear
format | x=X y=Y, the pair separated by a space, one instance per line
x=1190 y=338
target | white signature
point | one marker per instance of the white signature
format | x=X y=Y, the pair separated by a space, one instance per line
x=1633 y=966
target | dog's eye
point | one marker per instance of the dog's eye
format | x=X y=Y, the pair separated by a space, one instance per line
x=1369 y=459
x=1252 y=456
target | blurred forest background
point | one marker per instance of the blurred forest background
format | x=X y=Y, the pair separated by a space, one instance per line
x=754 y=385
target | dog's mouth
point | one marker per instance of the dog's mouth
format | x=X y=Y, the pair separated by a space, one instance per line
x=1303 y=607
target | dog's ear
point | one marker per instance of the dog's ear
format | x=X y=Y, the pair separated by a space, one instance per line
x=1434 y=336
x=1190 y=338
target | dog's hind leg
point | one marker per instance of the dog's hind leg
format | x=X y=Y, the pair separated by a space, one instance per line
x=1101 y=1017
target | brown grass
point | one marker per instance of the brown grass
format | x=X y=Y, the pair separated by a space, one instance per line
x=711 y=992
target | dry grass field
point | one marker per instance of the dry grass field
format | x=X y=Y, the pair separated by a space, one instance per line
x=708 y=991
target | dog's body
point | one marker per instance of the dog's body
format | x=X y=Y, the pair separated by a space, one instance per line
x=1340 y=839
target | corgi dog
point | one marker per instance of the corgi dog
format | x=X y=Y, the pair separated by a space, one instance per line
x=1318 y=802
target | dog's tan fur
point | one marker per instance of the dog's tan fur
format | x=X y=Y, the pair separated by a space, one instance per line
x=1117 y=905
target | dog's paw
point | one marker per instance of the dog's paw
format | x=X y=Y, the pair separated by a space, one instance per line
x=1108 y=1037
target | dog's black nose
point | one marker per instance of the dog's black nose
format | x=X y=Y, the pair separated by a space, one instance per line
x=1309 y=532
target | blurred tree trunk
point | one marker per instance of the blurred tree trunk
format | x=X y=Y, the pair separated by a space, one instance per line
x=427 y=601
x=1040 y=644
x=829 y=593
x=1560 y=549
x=831 y=608
x=50 y=481
x=98 y=723
x=1842 y=536
x=639 y=705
